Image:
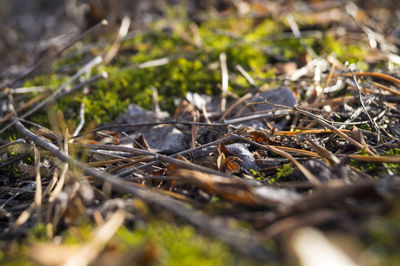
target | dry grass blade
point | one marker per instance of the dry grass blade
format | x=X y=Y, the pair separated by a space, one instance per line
x=375 y=159
x=36 y=204
x=38 y=191
x=195 y=128
x=307 y=131
x=54 y=194
x=89 y=252
x=224 y=87
x=234 y=105
x=23 y=217
x=295 y=151
x=52 y=183
x=312 y=247
x=123 y=30
x=130 y=161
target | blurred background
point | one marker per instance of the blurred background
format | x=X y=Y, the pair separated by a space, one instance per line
x=30 y=28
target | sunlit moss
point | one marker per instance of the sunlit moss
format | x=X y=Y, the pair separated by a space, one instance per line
x=181 y=245
x=352 y=53
x=257 y=175
x=378 y=170
x=285 y=171
x=264 y=29
x=382 y=237
x=395 y=167
x=172 y=244
x=189 y=68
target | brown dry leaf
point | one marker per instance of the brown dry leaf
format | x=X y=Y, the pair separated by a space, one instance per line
x=259 y=137
x=232 y=164
x=228 y=189
x=235 y=190
x=141 y=143
x=226 y=161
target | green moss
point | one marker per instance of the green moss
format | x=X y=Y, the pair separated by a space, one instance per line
x=17 y=261
x=180 y=245
x=76 y=235
x=172 y=244
x=16 y=253
x=189 y=69
x=352 y=53
x=50 y=81
x=395 y=167
x=281 y=173
x=382 y=238
x=378 y=170
x=284 y=172
x=37 y=233
x=257 y=175
x=264 y=29
x=75 y=59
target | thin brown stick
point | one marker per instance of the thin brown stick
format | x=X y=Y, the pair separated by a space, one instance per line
x=157 y=156
x=31 y=102
x=375 y=75
x=385 y=88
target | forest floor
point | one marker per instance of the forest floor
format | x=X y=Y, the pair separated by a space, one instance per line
x=200 y=133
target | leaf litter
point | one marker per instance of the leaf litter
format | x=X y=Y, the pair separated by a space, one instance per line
x=306 y=159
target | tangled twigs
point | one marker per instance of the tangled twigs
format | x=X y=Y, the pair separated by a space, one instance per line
x=238 y=239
